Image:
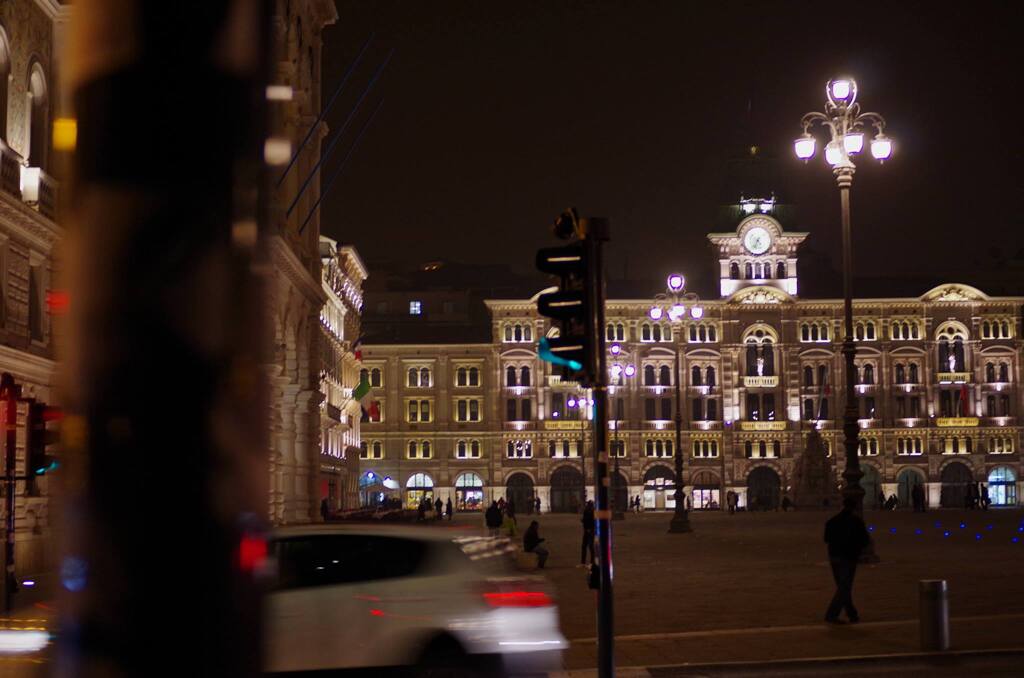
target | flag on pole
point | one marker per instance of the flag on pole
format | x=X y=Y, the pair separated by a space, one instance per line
x=373 y=413
x=965 y=401
x=357 y=349
x=361 y=393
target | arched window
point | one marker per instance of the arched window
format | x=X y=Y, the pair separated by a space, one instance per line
x=424 y=377
x=986 y=330
x=808 y=376
x=711 y=376
x=508 y=333
x=375 y=377
x=527 y=333
x=510 y=376
x=814 y=332
x=776 y=448
x=958 y=354
x=645 y=332
x=808 y=409
x=474 y=448
x=822 y=375
x=780 y=270
x=39 y=117
x=414 y=377
x=702 y=333
x=734 y=271
x=766 y=269
x=460 y=449
x=901 y=376
x=712 y=334
x=649 y=375
x=748 y=449
x=943 y=354
x=695 y=376
x=913 y=373
x=824 y=332
x=425 y=449
x=474 y=376
x=805 y=332
x=859 y=332
x=768 y=353
x=1004 y=373
x=524 y=376
x=869 y=331
x=749 y=270
x=378 y=449
x=914 y=332
x=517 y=332
x=693 y=333
x=990 y=372
x=461 y=376
x=656 y=333
x=664 y=376
x=364 y=375
x=412 y=449
x=1006 y=329
x=869 y=373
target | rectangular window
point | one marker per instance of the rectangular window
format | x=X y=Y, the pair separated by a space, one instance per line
x=712 y=409
x=769 y=406
x=415 y=308
x=649 y=409
x=666 y=408
x=424 y=410
x=557 y=405
x=474 y=410
x=461 y=409
x=413 y=411
x=510 y=410
x=698 y=410
x=526 y=409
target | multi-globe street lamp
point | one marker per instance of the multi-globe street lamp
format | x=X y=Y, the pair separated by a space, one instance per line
x=617 y=371
x=675 y=303
x=846 y=124
x=583 y=404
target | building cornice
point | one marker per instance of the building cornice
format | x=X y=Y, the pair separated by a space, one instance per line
x=29 y=224
x=27 y=365
x=53 y=9
x=285 y=261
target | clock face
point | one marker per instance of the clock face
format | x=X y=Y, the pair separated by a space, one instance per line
x=757 y=240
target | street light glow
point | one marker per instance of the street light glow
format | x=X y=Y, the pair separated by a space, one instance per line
x=630 y=370
x=804 y=147
x=881 y=147
x=697 y=312
x=656 y=313
x=676 y=282
x=841 y=89
x=833 y=153
x=854 y=142
x=616 y=349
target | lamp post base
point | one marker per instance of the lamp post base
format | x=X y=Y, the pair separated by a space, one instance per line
x=680 y=523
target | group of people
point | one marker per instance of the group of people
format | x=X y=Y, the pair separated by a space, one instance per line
x=977 y=497
x=440 y=509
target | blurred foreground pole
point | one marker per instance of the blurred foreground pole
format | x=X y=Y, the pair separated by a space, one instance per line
x=165 y=495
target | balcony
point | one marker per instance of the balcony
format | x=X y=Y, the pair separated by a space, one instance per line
x=762 y=426
x=515 y=425
x=953 y=377
x=10 y=171
x=761 y=382
x=957 y=422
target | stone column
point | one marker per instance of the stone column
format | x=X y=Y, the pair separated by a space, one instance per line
x=305 y=505
x=934 y=494
x=544 y=492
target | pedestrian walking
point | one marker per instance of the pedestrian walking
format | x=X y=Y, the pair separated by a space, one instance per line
x=325 y=510
x=881 y=499
x=492 y=518
x=731 y=498
x=985 y=500
x=537 y=502
x=786 y=503
x=438 y=509
x=846 y=537
x=531 y=543
x=510 y=509
x=421 y=510
x=448 y=509
x=589 y=528
x=501 y=504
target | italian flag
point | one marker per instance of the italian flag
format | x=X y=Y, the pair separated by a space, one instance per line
x=361 y=393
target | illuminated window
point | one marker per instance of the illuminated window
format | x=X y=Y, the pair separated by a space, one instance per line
x=415 y=308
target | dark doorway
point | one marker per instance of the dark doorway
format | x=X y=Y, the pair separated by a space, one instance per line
x=763 y=489
x=955 y=479
x=566 y=490
x=519 y=489
x=906 y=481
x=872 y=485
x=620 y=492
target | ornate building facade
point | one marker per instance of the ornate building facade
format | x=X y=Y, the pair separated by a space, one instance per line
x=343 y=273
x=30 y=33
x=294 y=290
x=938 y=388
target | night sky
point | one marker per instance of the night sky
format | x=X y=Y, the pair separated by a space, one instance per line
x=498 y=115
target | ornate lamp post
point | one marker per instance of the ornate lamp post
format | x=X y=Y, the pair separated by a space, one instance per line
x=583 y=404
x=617 y=371
x=676 y=303
x=845 y=124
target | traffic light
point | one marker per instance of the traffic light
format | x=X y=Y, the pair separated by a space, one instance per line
x=570 y=306
x=42 y=439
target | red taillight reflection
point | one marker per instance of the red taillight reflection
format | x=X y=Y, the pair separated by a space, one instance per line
x=518 y=599
x=252 y=553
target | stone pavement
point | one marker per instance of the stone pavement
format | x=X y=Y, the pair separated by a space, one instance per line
x=751 y=587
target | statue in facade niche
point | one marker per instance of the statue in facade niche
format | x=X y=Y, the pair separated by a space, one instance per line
x=760 y=366
x=814 y=479
x=952 y=362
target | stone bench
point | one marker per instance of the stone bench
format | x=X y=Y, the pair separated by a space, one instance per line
x=527 y=562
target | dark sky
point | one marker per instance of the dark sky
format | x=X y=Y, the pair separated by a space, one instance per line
x=498 y=115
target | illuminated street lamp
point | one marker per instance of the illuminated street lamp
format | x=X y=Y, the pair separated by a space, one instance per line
x=617 y=371
x=845 y=124
x=676 y=302
x=582 y=404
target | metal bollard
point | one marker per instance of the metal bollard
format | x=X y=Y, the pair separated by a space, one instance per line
x=934 y=614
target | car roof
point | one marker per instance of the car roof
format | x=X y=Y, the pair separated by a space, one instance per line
x=423 y=533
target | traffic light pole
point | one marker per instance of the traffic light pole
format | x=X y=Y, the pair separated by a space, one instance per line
x=596 y=232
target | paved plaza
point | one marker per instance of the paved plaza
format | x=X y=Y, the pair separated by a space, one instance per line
x=754 y=586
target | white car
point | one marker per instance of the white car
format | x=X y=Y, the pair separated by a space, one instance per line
x=433 y=598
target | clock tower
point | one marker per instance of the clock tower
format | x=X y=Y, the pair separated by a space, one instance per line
x=760 y=253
